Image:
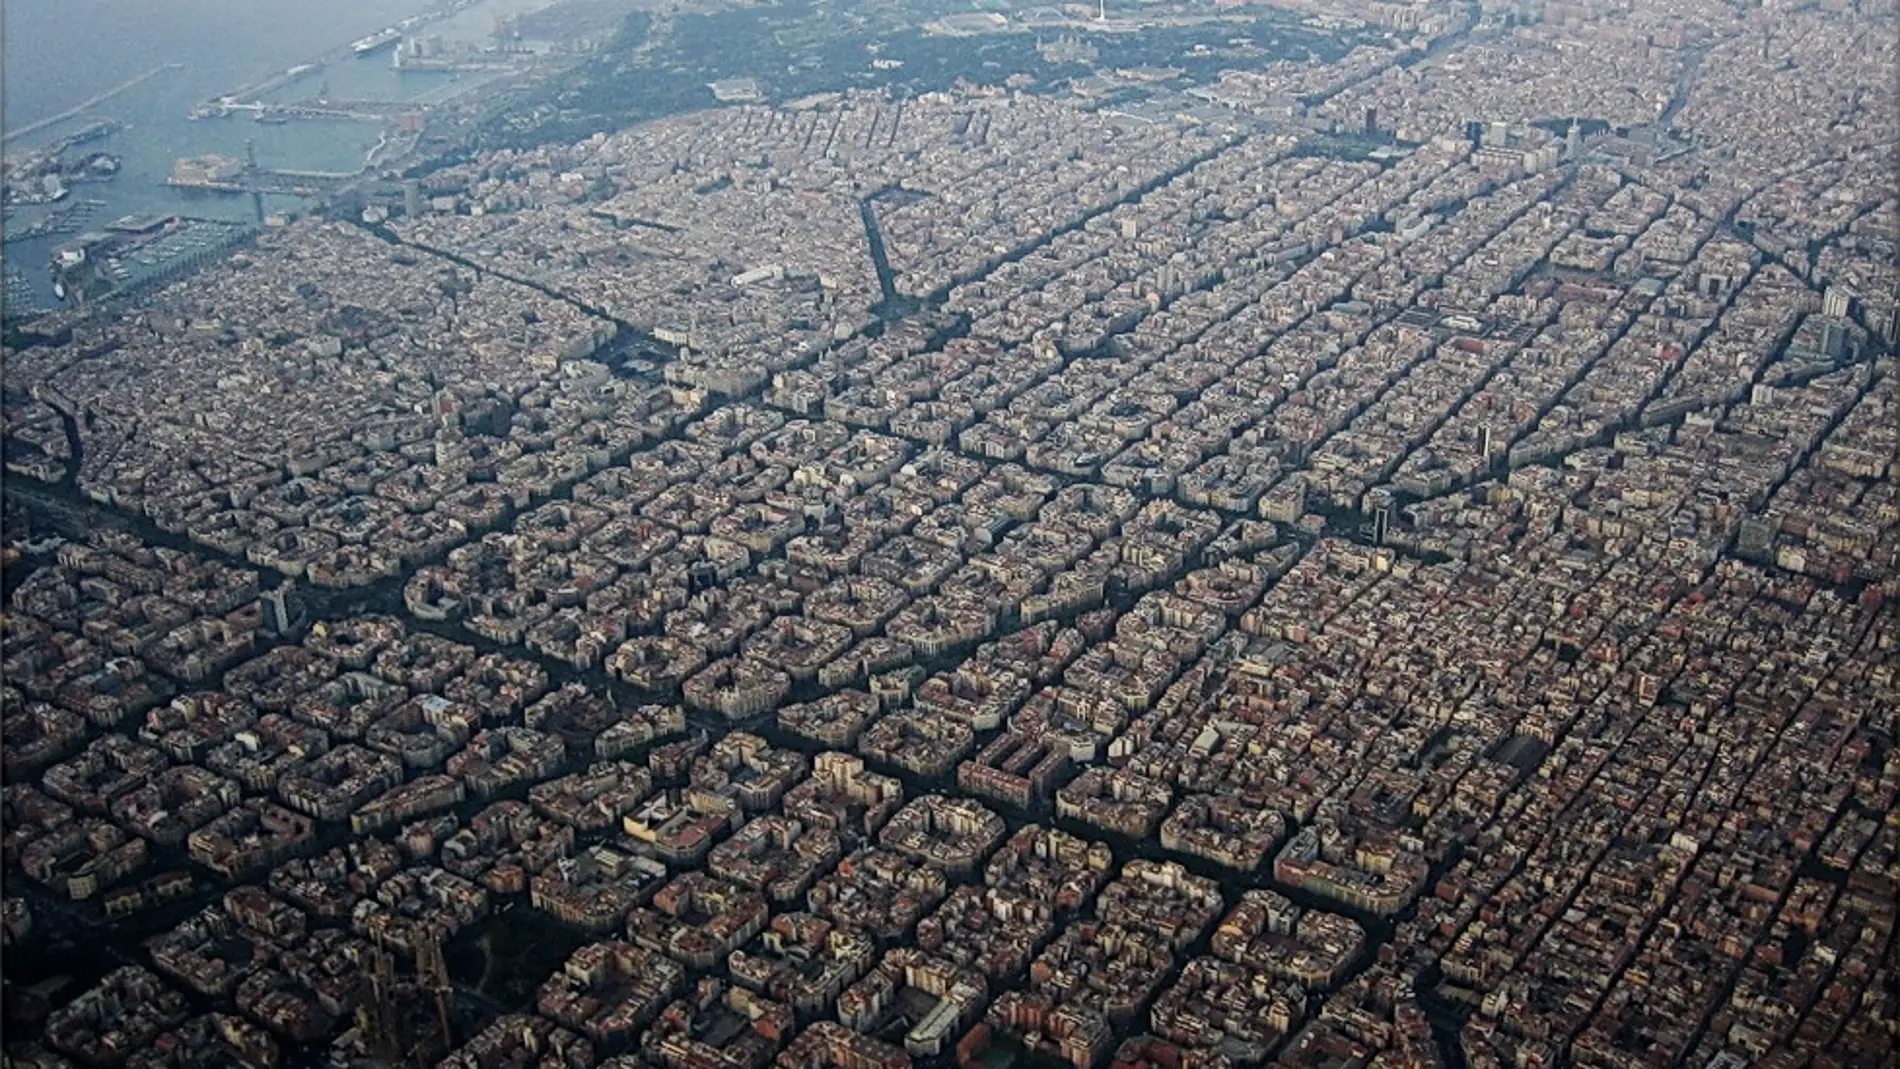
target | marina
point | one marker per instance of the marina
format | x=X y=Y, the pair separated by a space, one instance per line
x=68 y=219
x=22 y=299
x=136 y=251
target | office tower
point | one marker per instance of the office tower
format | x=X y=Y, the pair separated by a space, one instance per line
x=1833 y=339
x=1379 y=503
x=275 y=608
x=1835 y=305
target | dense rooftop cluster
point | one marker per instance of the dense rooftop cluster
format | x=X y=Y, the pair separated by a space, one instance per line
x=1264 y=607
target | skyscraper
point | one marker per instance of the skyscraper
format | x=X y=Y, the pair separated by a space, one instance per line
x=275 y=606
x=1835 y=305
x=1379 y=503
x=1833 y=339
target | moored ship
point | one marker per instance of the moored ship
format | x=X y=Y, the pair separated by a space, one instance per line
x=376 y=41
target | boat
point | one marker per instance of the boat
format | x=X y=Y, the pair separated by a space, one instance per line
x=94 y=131
x=376 y=41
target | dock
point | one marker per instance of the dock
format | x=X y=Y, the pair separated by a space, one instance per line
x=67 y=219
x=272 y=182
x=378 y=111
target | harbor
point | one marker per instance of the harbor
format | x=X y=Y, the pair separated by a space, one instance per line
x=272 y=147
x=21 y=298
x=135 y=252
x=221 y=174
x=68 y=218
x=46 y=175
x=407 y=46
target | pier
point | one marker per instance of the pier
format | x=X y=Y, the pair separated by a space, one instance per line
x=272 y=182
x=253 y=93
x=378 y=111
x=67 y=219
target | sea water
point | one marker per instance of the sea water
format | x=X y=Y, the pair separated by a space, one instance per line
x=56 y=54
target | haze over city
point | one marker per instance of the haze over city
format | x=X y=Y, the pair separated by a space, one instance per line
x=1179 y=534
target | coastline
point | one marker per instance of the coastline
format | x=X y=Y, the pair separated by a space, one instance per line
x=154 y=114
